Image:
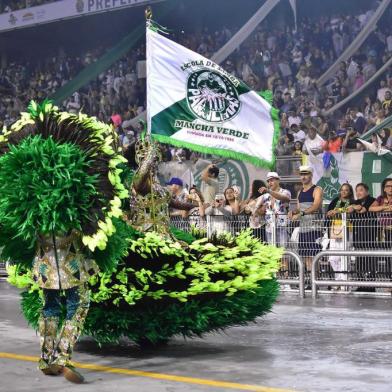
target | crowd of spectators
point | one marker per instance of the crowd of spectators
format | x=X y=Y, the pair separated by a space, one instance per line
x=304 y=227
x=284 y=60
x=268 y=204
x=288 y=63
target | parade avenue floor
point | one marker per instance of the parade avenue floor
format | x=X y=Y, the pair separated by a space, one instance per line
x=336 y=343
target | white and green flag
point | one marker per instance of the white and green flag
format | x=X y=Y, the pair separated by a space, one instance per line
x=192 y=102
x=351 y=167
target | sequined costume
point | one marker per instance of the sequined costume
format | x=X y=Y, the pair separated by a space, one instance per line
x=150 y=201
x=60 y=192
x=61 y=269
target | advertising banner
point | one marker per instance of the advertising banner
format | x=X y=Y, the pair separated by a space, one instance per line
x=60 y=10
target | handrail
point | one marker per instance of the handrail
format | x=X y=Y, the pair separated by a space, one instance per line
x=301 y=272
x=387 y=122
x=316 y=282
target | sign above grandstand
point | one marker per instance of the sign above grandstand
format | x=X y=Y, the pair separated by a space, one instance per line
x=60 y=10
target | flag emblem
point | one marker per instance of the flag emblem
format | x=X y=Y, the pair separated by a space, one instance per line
x=212 y=97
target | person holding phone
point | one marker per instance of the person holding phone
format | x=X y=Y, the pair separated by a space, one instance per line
x=217 y=211
x=196 y=214
x=276 y=201
x=232 y=199
x=351 y=142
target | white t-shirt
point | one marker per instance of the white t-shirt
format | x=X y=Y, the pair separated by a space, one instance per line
x=313 y=144
x=381 y=93
x=277 y=208
x=209 y=189
x=216 y=223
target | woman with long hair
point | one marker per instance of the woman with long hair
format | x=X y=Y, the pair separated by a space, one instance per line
x=196 y=214
x=232 y=199
x=256 y=215
x=383 y=207
x=339 y=205
x=364 y=233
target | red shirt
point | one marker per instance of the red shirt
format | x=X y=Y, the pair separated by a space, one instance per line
x=333 y=145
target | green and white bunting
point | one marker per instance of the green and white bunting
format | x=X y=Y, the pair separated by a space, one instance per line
x=192 y=102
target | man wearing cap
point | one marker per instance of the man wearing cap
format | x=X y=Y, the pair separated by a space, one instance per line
x=179 y=197
x=310 y=200
x=276 y=200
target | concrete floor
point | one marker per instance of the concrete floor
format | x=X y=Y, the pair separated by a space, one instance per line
x=332 y=344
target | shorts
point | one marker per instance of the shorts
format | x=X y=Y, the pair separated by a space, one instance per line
x=281 y=237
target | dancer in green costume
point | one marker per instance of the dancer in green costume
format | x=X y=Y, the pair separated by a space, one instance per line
x=154 y=282
x=60 y=190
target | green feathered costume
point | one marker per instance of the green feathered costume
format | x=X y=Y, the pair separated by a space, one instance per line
x=150 y=286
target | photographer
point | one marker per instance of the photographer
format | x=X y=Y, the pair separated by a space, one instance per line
x=210 y=183
x=196 y=214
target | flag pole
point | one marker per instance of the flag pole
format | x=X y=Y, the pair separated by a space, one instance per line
x=148 y=16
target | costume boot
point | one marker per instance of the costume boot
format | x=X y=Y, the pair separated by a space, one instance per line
x=47 y=328
x=69 y=335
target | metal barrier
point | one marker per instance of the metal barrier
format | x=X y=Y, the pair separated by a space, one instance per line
x=339 y=282
x=290 y=273
x=3 y=272
x=307 y=236
x=301 y=273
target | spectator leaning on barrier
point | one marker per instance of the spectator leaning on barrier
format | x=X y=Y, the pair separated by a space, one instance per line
x=232 y=199
x=383 y=206
x=310 y=200
x=178 y=194
x=339 y=205
x=210 y=183
x=364 y=233
x=363 y=200
x=276 y=201
x=256 y=218
x=217 y=211
x=196 y=214
x=351 y=142
x=333 y=144
x=384 y=202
